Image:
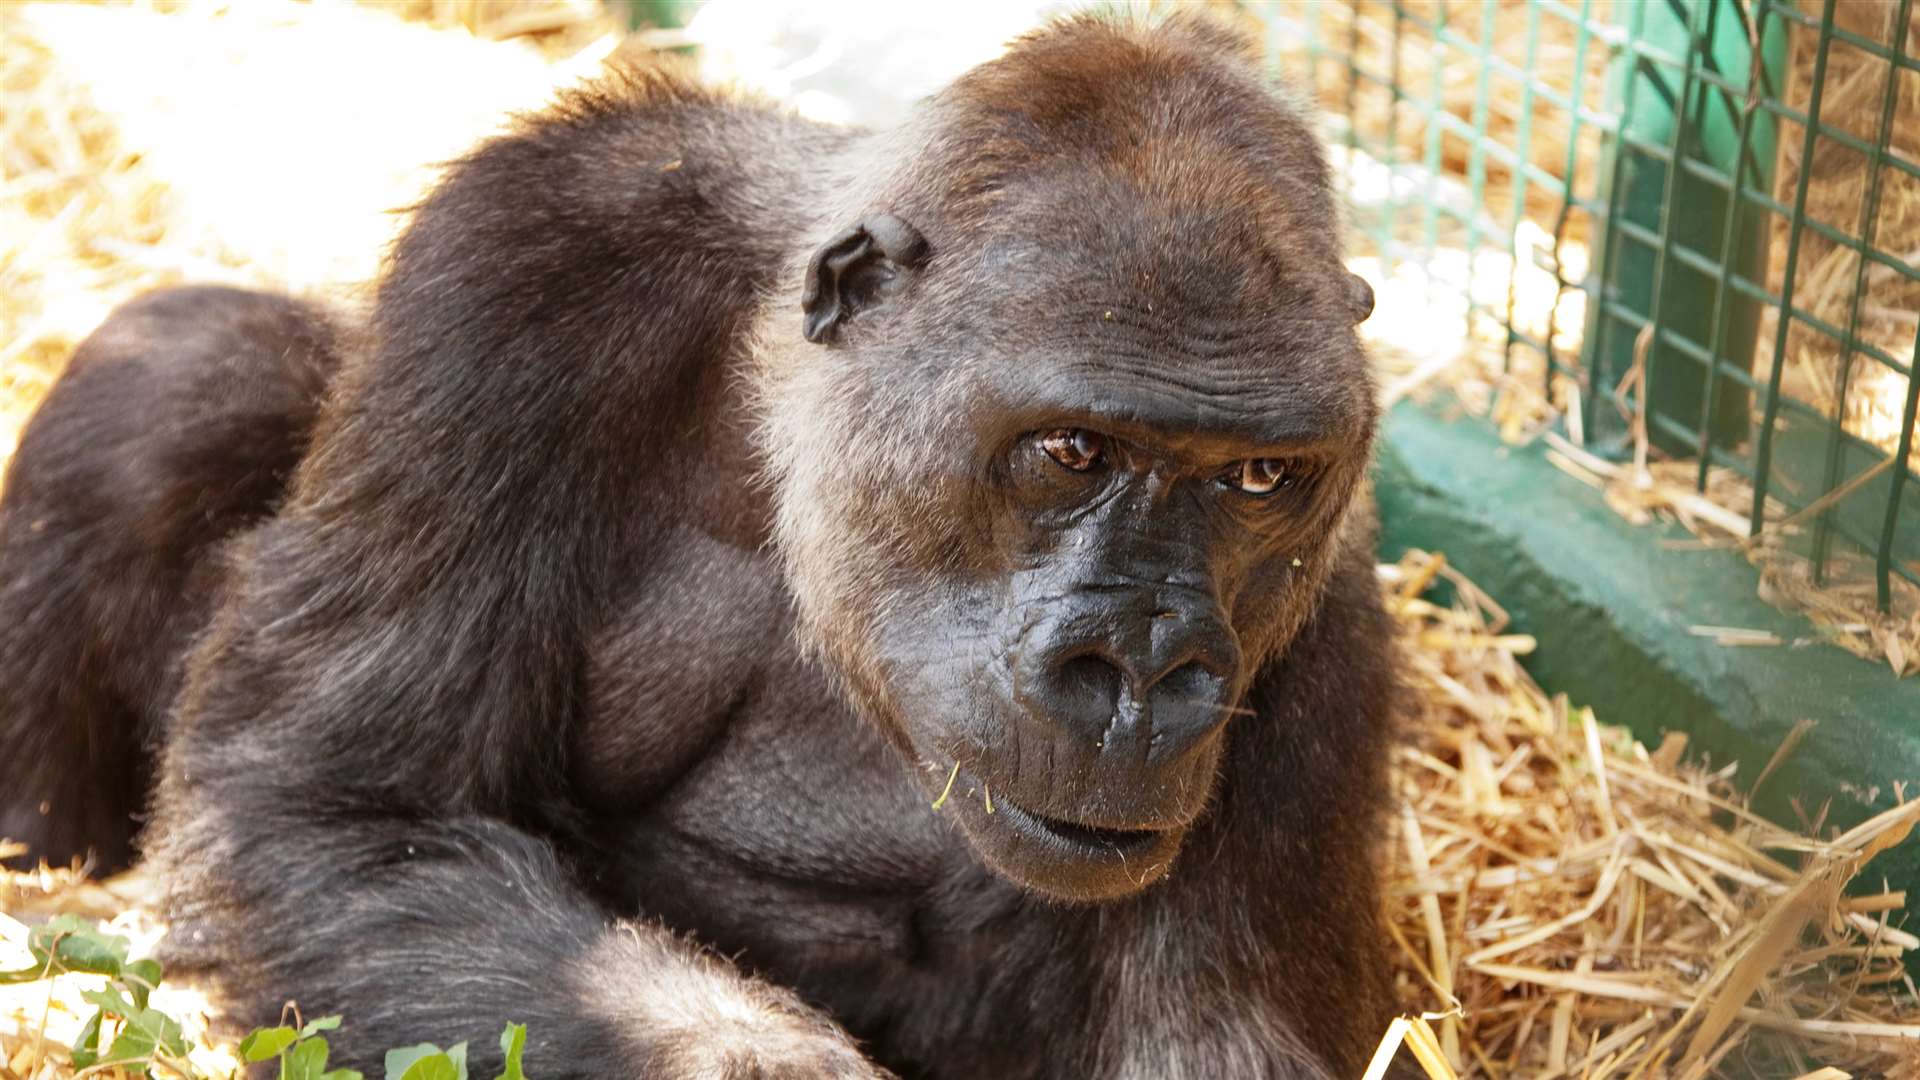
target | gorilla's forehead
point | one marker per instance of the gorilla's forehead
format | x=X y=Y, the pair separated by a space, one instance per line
x=1183 y=225
x=1275 y=395
x=1112 y=142
x=1210 y=329
x=1129 y=226
x=1219 y=266
x=1175 y=342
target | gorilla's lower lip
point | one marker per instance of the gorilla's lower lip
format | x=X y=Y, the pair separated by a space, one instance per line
x=1067 y=860
x=1075 y=838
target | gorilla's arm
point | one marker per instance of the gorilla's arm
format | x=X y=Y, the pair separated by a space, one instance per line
x=374 y=740
x=447 y=930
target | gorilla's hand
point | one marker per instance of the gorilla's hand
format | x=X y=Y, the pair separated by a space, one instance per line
x=810 y=1050
x=690 y=1015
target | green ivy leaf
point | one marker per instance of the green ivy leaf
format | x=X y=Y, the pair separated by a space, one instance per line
x=427 y=1062
x=513 y=1044
x=263 y=1043
x=141 y=977
x=306 y=1061
x=86 y=1048
x=432 y=1067
x=70 y=943
x=401 y=1058
x=343 y=1074
x=314 y=1027
x=132 y=1049
x=110 y=1000
x=145 y=1033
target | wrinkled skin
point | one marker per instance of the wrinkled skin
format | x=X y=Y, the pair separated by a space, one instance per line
x=930 y=568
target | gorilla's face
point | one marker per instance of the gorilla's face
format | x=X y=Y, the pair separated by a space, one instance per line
x=1050 y=508
x=1120 y=558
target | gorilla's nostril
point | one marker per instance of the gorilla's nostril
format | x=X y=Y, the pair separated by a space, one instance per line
x=1188 y=705
x=1090 y=681
x=1190 y=684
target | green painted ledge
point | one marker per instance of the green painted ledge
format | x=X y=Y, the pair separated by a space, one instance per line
x=1610 y=608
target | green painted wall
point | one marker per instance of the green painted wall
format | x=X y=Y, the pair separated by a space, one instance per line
x=1610 y=608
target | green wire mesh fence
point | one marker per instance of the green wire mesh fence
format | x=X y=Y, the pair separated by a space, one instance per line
x=1678 y=229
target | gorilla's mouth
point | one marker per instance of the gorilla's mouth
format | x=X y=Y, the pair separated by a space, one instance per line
x=1070 y=860
x=1075 y=838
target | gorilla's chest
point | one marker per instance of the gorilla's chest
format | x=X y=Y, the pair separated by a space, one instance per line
x=802 y=851
x=734 y=796
x=792 y=832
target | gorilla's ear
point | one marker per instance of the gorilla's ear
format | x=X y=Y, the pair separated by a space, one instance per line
x=856 y=270
x=1359 y=298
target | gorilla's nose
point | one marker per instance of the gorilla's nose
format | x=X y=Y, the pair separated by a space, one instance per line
x=1159 y=673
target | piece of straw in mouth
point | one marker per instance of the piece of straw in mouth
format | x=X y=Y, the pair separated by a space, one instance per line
x=948 y=790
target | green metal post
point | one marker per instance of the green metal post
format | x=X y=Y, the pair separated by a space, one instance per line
x=1670 y=119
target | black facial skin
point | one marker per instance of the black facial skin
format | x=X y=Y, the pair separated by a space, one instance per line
x=1113 y=665
x=671 y=540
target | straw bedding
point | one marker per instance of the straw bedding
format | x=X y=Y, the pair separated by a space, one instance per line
x=1567 y=902
x=1563 y=901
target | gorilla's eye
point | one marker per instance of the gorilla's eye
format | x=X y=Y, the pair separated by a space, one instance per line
x=1076 y=448
x=1263 y=476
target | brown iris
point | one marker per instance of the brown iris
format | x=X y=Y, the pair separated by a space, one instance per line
x=1262 y=476
x=1075 y=448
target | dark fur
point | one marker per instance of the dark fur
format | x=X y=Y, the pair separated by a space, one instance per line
x=518 y=654
x=175 y=426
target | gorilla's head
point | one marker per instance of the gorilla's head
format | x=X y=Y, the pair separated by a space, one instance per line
x=1066 y=438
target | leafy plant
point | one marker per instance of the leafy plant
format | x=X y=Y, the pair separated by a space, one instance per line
x=302 y=1052
x=135 y=1035
x=428 y=1062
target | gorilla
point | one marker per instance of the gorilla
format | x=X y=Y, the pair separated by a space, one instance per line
x=753 y=598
